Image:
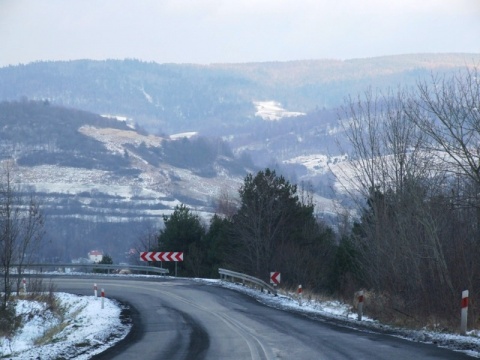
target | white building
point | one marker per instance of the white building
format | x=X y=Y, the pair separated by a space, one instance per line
x=95 y=256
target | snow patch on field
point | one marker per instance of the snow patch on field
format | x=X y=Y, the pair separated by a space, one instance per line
x=317 y=164
x=128 y=121
x=114 y=139
x=187 y=135
x=272 y=111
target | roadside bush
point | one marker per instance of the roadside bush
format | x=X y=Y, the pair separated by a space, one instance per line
x=39 y=291
x=393 y=310
x=106 y=260
x=9 y=321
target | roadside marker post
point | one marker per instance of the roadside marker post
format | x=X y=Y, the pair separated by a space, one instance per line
x=95 y=290
x=24 y=282
x=463 y=323
x=103 y=298
x=300 y=291
x=360 y=305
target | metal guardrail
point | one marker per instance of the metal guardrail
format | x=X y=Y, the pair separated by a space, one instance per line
x=224 y=274
x=109 y=268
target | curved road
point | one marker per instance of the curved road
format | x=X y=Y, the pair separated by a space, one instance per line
x=183 y=319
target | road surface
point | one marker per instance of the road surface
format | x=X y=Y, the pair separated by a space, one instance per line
x=184 y=319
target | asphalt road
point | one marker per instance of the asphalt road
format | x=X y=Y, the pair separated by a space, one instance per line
x=183 y=319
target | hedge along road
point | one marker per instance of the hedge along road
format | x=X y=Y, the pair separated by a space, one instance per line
x=185 y=319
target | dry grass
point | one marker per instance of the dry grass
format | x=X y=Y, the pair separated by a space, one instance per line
x=50 y=334
x=382 y=307
x=313 y=299
x=37 y=291
x=394 y=310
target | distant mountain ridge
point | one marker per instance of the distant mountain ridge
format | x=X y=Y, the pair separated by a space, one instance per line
x=212 y=98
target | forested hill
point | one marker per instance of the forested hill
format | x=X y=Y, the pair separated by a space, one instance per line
x=100 y=181
x=36 y=133
x=186 y=97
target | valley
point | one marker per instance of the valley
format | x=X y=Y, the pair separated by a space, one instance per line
x=178 y=134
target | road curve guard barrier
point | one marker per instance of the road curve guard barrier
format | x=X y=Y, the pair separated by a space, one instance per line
x=88 y=268
x=227 y=274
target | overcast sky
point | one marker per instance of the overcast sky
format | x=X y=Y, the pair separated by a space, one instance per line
x=219 y=31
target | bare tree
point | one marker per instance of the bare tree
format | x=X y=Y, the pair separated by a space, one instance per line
x=387 y=147
x=386 y=153
x=147 y=241
x=31 y=235
x=416 y=160
x=400 y=242
x=21 y=230
x=448 y=112
x=226 y=204
x=362 y=127
x=8 y=234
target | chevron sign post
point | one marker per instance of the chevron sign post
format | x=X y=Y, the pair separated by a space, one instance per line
x=161 y=256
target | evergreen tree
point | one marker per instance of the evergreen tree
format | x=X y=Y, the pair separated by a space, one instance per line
x=218 y=245
x=183 y=232
x=273 y=226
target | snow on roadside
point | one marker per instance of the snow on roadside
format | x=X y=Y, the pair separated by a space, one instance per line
x=86 y=329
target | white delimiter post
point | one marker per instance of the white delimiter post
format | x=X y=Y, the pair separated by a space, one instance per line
x=300 y=290
x=463 y=324
x=95 y=290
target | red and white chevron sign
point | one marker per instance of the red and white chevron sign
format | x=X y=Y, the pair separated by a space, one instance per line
x=161 y=256
x=275 y=278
